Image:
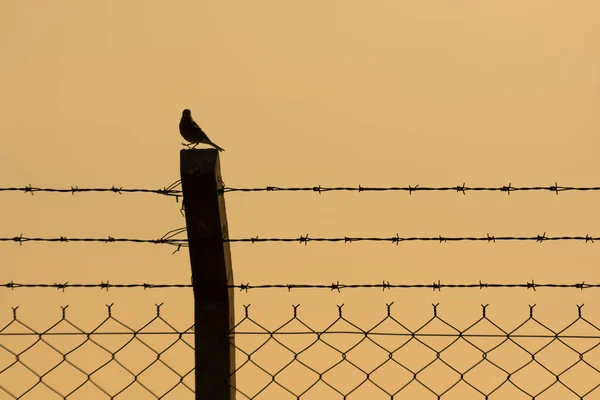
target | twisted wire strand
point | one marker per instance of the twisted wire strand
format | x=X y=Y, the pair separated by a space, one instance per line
x=169 y=238
x=398 y=239
x=335 y=286
x=417 y=188
x=170 y=190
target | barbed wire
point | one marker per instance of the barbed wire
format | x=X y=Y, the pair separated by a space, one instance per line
x=410 y=189
x=109 y=239
x=335 y=286
x=172 y=191
x=102 y=285
x=166 y=191
x=397 y=239
x=168 y=239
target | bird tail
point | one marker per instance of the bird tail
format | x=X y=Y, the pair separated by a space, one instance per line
x=215 y=146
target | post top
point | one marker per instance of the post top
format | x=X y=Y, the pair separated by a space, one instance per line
x=199 y=161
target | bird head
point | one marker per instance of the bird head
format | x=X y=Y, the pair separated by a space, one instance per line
x=187 y=113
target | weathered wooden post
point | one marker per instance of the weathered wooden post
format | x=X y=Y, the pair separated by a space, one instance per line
x=210 y=259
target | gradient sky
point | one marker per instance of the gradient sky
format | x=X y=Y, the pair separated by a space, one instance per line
x=380 y=93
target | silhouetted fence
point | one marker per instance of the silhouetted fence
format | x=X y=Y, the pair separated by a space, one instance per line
x=222 y=360
x=293 y=359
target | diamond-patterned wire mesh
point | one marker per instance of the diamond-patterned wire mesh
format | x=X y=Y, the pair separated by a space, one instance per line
x=435 y=360
x=295 y=360
x=111 y=361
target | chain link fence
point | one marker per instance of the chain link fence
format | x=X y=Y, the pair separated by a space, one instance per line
x=296 y=360
x=113 y=360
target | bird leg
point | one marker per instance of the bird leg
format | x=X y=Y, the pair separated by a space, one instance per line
x=189 y=145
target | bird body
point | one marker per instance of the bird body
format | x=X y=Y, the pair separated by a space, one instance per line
x=191 y=132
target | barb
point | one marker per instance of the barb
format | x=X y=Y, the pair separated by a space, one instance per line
x=304 y=239
x=166 y=191
x=417 y=188
x=335 y=286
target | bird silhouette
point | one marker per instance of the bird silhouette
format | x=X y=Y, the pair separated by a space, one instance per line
x=191 y=132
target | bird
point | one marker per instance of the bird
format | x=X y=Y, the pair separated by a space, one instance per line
x=191 y=132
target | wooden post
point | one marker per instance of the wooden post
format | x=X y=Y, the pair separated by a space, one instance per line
x=210 y=259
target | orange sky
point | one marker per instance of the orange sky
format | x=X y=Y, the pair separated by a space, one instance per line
x=315 y=93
